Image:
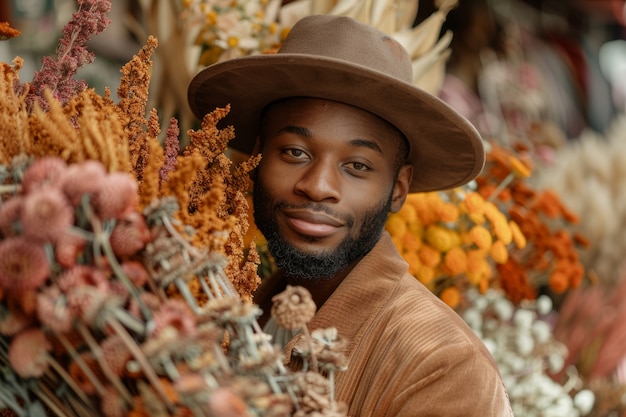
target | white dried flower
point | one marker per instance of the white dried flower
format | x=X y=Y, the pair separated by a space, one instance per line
x=584 y=401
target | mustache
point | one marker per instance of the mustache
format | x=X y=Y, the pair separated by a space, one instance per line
x=317 y=207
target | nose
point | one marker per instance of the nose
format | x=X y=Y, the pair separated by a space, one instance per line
x=320 y=182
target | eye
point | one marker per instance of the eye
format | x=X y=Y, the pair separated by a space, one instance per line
x=358 y=166
x=294 y=154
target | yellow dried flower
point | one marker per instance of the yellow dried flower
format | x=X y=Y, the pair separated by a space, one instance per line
x=499 y=222
x=407 y=213
x=499 y=252
x=425 y=274
x=518 y=236
x=439 y=238
x=448 y=212
x=518 y=167
x=481 y=237
x=477 y=266
x=396 y=226
x=474 y=203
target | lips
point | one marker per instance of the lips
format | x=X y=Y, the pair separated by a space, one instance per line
x=312 y=223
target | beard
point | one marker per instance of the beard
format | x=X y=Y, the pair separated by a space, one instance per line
x=324 y=265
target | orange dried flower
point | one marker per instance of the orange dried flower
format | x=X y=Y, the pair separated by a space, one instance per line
x=451 y=296
x=425 y=274
x=456 y=260
x=558 y=281
x=429 y=256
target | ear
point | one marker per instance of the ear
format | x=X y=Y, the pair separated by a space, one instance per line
x=401 y=187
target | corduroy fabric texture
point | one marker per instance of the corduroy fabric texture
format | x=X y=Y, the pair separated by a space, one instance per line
x=409 y=353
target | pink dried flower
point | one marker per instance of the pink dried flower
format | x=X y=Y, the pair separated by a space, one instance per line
x=117 y=197
x=176 y=314
x=112 y=404
x=149 y=299
x=14 y=321
x=87 y=303
x=23 y=264
x=10 y=211
x=225 y=403
x=82 y=179
x=46 y=214
x=83 y=275
x=68 y=248
x=172 y=148
x=136 y=272
x=130 y=235
x=57 y=75
x=116 y=354
x=28 y=353
x=53 y=311
x=44 y=171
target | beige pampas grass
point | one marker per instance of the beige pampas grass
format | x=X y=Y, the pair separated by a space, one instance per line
x=428 y=51
x=589 y=174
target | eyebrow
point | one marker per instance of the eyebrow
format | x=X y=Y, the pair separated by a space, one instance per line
x=304 y=132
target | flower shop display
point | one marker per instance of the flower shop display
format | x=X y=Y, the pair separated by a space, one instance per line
x=499 y=232
x=589 y=174
x=125 y=287
x=521 y=341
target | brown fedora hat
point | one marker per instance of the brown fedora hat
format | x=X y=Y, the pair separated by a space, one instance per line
x=338 y=58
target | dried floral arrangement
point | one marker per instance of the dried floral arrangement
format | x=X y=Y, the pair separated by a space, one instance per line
x=551 y=260
x=125 y=287
x=528 y=355
x=451 y=239
x=498 y=232
x=588 y=173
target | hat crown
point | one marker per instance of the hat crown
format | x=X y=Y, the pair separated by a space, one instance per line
x=346 y=39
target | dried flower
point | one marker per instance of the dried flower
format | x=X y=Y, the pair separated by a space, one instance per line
x=72 y=54
x=293 y=308
x=46 y=214
x=172 y=148
x=10 y=212
x=43 y=172
x=23 y=264
x=53 y=311
x=129 y=235
x=83 y=179
x=117 y=196
x=28 y=353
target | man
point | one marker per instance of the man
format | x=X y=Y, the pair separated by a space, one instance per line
x=344 y=137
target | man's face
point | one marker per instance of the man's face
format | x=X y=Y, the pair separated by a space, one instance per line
x=325 y=184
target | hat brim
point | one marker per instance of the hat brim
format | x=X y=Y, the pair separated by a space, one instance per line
x=446 y=151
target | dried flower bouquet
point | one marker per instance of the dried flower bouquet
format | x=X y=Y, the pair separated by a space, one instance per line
x=125 y=287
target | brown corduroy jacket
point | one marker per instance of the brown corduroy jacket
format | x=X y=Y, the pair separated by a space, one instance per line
x=409 y=353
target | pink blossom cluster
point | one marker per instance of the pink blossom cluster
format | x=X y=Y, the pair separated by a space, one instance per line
x=48 y=231
x=72 y=54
